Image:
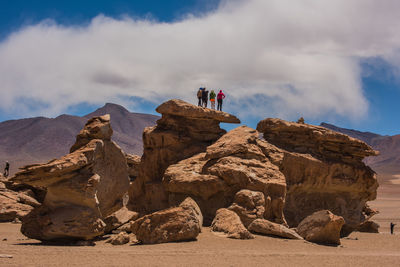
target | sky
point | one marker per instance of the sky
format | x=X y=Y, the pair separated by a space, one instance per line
x=332 y=61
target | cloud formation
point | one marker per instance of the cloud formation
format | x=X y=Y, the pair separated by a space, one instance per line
x=276 y=57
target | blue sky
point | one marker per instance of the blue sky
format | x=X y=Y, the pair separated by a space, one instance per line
x=272 y=58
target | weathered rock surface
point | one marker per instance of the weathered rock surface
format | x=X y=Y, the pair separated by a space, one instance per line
x=118 y=218
x=265 y=227
x=180 y=223
x=183 y=131
x=133 y=162
x=119 y=239
x=238 y=160
x=369 y=227
x=321 y=227
x=83 y=187
x=323 y=170
x=228 y=222
x=249 y=205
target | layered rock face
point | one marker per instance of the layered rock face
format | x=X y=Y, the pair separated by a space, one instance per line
x=238 y=160
x=323 y=170
x=183 y=131
x=83 y=187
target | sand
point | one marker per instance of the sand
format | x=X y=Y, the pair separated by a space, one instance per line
x=359 y=249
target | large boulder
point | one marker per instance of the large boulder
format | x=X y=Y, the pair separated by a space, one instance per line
x=323 y=170
x=228 y=222
x=182 y=223
x=118 y=218
x=183 y=131
x=265 y=227
x=321 y=227
x=83 y=187
x=238 y=160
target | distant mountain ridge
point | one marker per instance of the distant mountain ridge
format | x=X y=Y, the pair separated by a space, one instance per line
x=389 y=147
x=39 y=139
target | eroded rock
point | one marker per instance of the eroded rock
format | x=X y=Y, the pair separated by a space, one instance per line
x=228 y=222
x=183 y=131
x=83 y=187
x=321 y=227
x=180 y=223
x=323 y=170
x=249 y=205
x=119 y=218
x=265 y=227
x=238 y=160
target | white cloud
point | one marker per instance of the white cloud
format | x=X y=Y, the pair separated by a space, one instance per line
x=276 y=57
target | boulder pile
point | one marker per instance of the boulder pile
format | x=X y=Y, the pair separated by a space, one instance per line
x=192 y=173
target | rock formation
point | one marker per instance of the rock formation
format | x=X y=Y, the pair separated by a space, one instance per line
x=323 y=170
x=182 y=223
x=14 y=205
x=321 y=227
x=228 y=222
x=133 y=162
x=83 y=187
x=183 y=131
x=265 y=227
x=238 y=160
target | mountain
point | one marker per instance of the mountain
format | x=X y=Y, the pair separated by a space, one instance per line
x=37 y=140
x=389 y=147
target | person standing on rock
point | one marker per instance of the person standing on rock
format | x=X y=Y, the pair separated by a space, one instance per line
x=392 y=227
x=7 y=169
x=220 y=97
x=212 y=99
x=205 y=97
x=200 y=96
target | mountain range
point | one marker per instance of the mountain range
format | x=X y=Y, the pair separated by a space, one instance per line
x=40 y=139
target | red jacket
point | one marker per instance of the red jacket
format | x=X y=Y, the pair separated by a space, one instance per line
x=220 y=96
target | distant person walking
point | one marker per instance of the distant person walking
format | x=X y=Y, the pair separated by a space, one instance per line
x=205 y=97
x=200 y=96
x=7 y=169
x=220 y=98
x=392 y=227
x=212 y=99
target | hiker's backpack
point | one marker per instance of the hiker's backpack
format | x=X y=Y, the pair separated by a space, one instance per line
x=199 y=93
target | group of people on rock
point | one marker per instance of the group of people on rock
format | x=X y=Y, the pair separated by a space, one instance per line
x=203 y=96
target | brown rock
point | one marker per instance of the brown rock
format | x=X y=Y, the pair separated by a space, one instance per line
x=249 y=205
x=321 y=227
x=228 y=222
x=118 y=218
x=119 y=239
x=235 y=162
x=83 y=187
x=133 y=162
x=183 y=131
x=265 y=227
x=14 y=205
x=369 y=227
x=323 y=170
x=170 y=225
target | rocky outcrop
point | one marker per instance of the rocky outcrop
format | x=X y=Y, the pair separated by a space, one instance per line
x=118 y=218
x=228 y=222
x=265 y=227
x=119 y=239
x=83 y=187
x=249 y=205
x=15 y=204
x=183 y=131
x=238 y=160
x=321 y=227
x=323 y=170
x=180 y=223
x=133 y=162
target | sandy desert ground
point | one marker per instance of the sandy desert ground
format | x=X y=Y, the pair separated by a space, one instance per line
x=359 y=249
